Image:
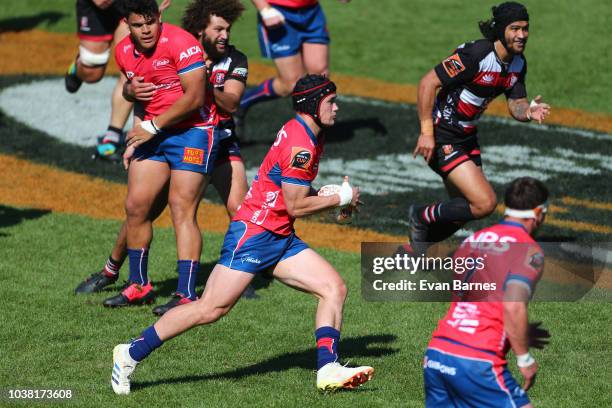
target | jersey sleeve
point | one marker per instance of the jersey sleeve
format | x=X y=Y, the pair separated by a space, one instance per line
x=297 y=165
x=528 y=267
x=239 y=68
x=187 y=53
x=519 y=90
x=119 y=54
x=458 y=68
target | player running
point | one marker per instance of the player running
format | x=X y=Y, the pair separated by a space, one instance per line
x=261 y=236
x=99 y=23
x=294 y=34
x=210 y=22
x=465 y=363
x=474 y=75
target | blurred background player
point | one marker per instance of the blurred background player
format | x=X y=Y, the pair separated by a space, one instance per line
x=261 y=236
x=294 y=34
x=465 y=363
x=475 y=74
x=210 y=21
x=99 y=24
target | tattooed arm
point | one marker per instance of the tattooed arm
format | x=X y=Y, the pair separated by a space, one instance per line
x=523 y=111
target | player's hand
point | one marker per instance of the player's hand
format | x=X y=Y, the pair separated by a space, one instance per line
x=164 y=5
x=539 y=337
x=425 y=147
x=529 y=375
x=271 y=17
x=538 y=110
x=140 y=90
x=103 y=4
x=138 y=136
x=127 y=156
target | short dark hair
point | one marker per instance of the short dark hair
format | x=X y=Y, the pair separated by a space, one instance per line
x=146 y=8
x=525 y=193
x=198 y=12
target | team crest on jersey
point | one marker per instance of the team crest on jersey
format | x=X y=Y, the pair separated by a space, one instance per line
x=193 y=156
x=85 y=24
x=129 y=75
x=447 y=149
x=536 y=261
x=300 y=158
x=453 y=65
x=160 y=63
x=219 y=77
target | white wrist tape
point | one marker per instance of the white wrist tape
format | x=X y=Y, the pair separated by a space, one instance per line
x=525 y=360
x=149 y=127
x=346 y=194
x=270 y=12
x=533 y=103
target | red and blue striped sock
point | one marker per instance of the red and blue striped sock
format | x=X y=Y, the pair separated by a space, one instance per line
x=188 y=272
x=144 y=345
x=263 y=92
x=327 y=345
x=139 y=262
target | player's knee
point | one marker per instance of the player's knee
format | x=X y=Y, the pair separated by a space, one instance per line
x=135 y=208
x=336 y=291
x=485 y=206
x=181 y=208
x=208 y=314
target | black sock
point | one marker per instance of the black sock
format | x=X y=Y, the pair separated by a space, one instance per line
x=456 y=209
x=439 y=231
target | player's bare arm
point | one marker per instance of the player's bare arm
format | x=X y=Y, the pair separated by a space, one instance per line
x=428 y=86
x=192 y=99
x=524 y=111
x=269 y=15
x=228 y=99
x=300 y=203
x=516 y=326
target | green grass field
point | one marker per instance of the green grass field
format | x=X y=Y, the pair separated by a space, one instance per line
x=262 y=354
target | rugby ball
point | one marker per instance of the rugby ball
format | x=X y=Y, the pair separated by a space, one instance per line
x=342 y=215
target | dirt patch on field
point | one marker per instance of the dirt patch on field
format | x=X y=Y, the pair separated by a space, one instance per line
x=40 y=52
x=45 y=187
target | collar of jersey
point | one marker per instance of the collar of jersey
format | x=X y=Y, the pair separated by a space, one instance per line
x=514 y=224
x=307 y=129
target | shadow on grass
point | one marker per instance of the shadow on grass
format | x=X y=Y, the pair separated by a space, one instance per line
x=29 y=22
x=10 y=216
x=351 y=348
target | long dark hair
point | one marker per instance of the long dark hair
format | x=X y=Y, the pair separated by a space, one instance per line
x=198 y=12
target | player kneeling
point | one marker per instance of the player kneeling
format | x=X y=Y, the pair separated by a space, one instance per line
x=262 y=236
x=465 y=363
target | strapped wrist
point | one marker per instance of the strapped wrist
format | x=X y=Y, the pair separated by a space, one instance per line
x=525 y=360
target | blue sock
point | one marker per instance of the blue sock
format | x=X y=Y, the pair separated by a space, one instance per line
x=139 y=260
x=327 y=345
x=187 y=271
x=263 y=92
x=148 y=341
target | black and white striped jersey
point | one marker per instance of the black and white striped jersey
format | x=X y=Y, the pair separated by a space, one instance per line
x=471 y=78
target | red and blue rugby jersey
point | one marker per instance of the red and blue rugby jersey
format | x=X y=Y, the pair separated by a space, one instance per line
x=294 y=159
x=511 y=256
x=177 y=52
